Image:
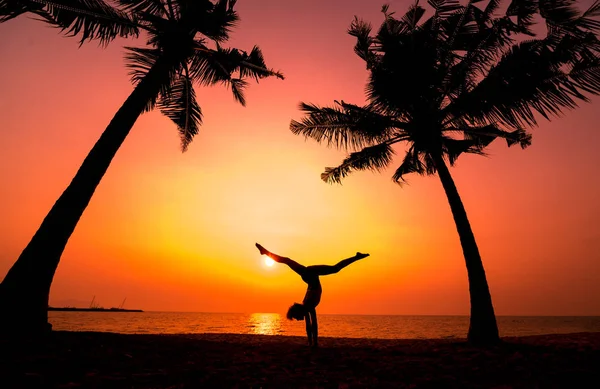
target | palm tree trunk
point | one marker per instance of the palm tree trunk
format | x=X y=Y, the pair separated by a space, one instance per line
x=482 y=328
x=24 y=293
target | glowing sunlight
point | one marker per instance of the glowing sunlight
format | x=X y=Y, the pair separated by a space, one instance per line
x=265 y=323
x=269 y=261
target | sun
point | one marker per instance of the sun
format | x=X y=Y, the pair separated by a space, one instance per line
x=269 y=261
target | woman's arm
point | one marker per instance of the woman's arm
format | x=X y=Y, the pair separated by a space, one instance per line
x=308 y=328
x=314 y=327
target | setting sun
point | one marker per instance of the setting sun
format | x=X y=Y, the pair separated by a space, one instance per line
x=269 y=261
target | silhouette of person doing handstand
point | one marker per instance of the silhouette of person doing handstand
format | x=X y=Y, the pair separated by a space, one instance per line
x=310 y=275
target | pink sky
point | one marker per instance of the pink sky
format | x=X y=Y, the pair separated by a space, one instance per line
x=173 y=231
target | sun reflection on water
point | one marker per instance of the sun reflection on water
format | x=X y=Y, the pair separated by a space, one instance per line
x=265 y=323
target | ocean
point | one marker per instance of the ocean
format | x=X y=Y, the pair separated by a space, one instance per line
x=350 y=326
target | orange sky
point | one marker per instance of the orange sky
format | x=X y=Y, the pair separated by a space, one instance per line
x=173 y=231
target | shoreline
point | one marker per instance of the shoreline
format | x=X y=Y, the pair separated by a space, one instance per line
x=103 y=359
x=74 y=309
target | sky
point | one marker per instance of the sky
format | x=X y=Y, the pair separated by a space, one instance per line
x=174 y=231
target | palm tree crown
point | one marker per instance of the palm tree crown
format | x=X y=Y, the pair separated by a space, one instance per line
x=185 y=34
x=181 y=30
x=455 y=82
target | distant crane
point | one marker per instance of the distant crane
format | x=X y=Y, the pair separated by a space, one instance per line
x=123 y=303
x=94 y=304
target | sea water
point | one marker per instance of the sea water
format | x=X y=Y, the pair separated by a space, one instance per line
x=351 y=326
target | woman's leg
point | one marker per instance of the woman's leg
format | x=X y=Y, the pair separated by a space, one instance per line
x=295 y=266
x=323 y=270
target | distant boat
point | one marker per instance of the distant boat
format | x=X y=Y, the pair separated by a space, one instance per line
x=94 y=308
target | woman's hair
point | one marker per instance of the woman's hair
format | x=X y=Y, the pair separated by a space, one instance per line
x=296 y=311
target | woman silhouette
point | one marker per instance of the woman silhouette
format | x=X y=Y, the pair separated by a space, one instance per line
x=310 y=275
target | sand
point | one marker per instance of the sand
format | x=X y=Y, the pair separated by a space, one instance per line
x=107 y=360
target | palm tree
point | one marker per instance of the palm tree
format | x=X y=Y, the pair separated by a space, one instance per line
x=184 y=39
x=452 y=84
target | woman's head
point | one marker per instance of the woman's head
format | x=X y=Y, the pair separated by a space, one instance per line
x=296 y=311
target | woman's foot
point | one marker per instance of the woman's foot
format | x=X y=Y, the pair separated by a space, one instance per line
x=263 y=251
x=361 y=255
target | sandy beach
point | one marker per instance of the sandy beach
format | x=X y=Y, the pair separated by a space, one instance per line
x=108 y=360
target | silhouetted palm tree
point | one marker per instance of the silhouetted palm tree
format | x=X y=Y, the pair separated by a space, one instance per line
x=452 y=84
x=184 y=40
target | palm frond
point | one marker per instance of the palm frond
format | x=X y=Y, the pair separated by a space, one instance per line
x=154 y=7
x=524 y=10
x=518 y=137
x=392 y=27
x=213 y=20
x=237 y=88
x=443 y=8
x=345 y=126
x=140 y=61
x=530 y=77
x=253 y=65
x=491 y=7
x=180 y=105
x=86 y=19
x=454 y=148
x=361 y=30
x=410 y=164
x=213 y=66
x=373 y=158
x=484 y=135
x=459 y=22
x=412 y=17
x=585 y=75
x=594 y=10
x=563 y=14
x=10 y=9
x=210 y=66
x=482 y=50
x=558 y=14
